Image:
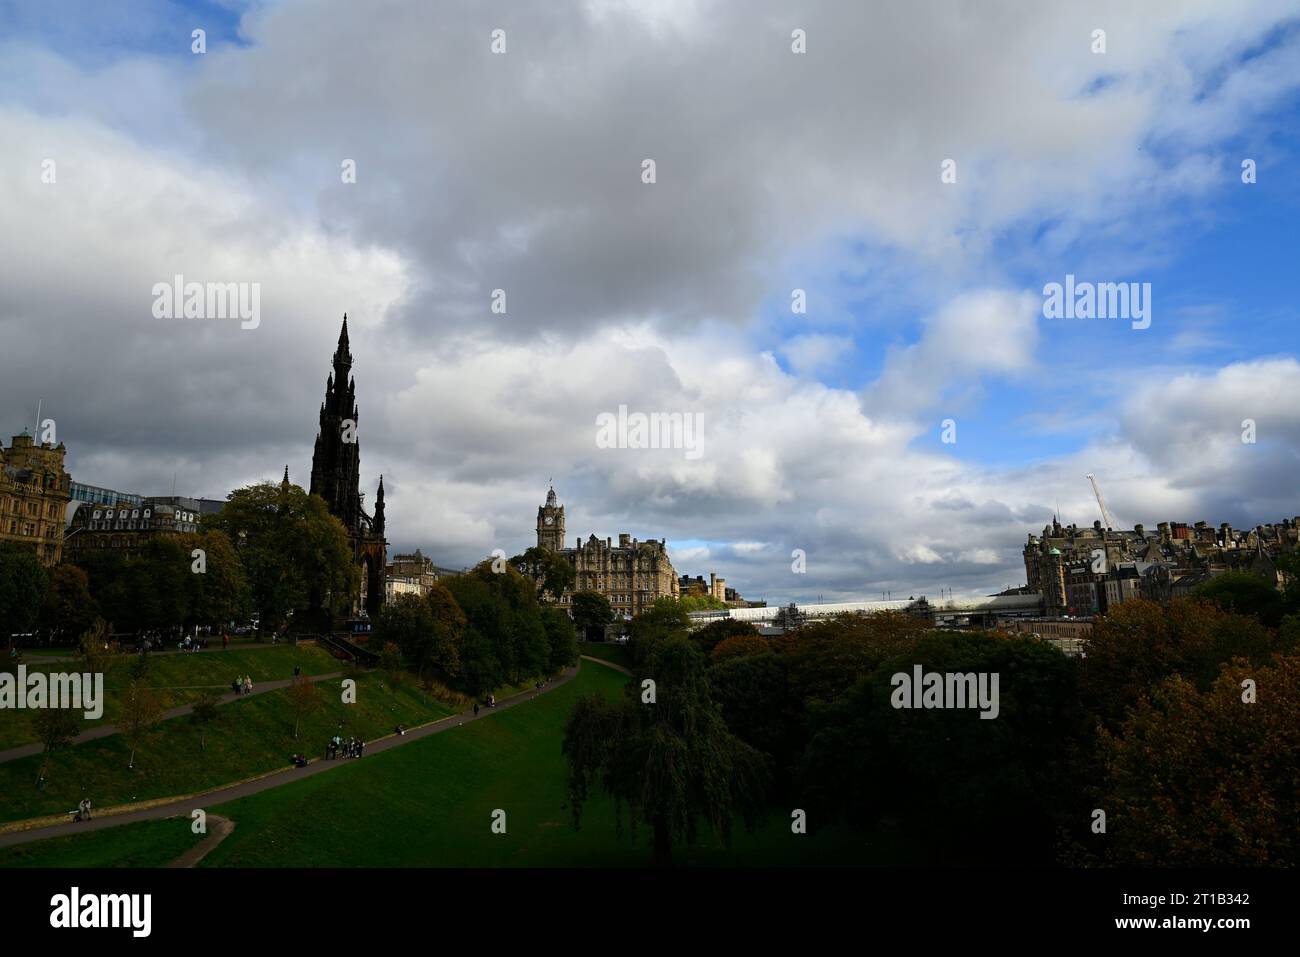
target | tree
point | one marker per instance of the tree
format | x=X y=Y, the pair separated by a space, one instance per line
x=22 y=587
x=55 y=727
x=829 y=656
x=407 y=623
x=560 y=637
x=504 y=634
x=205 y=713
x=708 y=637
x=1141 y=643
x=390 y=660
x=741 y=645
x=305 y=699
x=427 y=629
x=68 y=610
x=550 y=571
x=97 y=648
x=754 y=695
x=591 y=613
x=961 y=786
x=1201 y=778
x=295 y=554
x=219 y=594
x=663 y=620
x=1244 y=594
x=704 y=602
x=448 y=629
x=141 y=710
x=673 y=763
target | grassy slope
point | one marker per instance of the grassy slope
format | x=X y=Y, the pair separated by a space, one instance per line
x=429 y=803
x=437 y=797
x=249 y=737
x=180 y=678
x=147 y=844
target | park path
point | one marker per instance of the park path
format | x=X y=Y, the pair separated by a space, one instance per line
x=104 y=731
x=12 y=834
x=219 y=831
x=607 y=664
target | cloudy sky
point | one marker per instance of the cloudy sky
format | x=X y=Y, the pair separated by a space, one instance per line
x=775 y=171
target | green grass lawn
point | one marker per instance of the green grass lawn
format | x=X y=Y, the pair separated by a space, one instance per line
x=180 y=679
x=147 y=844
x=249 y=736
x=606 y=651
x=429 y=803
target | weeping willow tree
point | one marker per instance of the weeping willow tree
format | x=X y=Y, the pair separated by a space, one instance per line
x=665 y=755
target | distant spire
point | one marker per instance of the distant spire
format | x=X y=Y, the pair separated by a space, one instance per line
x=284 y=486
x=343 y=354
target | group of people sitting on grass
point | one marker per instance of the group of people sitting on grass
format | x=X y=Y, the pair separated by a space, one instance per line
x=351 y=748
x=242 y=685
x=82 y=813
x=191 y=644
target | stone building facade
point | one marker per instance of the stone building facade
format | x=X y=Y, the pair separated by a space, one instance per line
x=126 y=527
x=35 y=490
x=1083 y=571
x=336 y=477
x=631 y=574
x=412 y=574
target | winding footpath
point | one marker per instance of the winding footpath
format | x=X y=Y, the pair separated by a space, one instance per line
x=104 y=731
x=24 y=832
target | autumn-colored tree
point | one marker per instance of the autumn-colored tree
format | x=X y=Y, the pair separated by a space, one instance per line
x=141 y=710
x=1140 y=643
x=708 y=637
x=305 y=699
x=1207 y=778
x=741 y=645
x=827 y=657
x=97 y=648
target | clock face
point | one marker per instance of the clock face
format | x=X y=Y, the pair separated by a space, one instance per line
x=549 y=520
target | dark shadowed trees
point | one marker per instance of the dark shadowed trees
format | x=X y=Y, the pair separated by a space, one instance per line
x=671 y=763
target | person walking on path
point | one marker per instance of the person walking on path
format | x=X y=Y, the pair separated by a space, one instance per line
x=476 y=709
x=225 y=641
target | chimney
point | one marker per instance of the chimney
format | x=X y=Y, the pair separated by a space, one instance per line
x=624 y=539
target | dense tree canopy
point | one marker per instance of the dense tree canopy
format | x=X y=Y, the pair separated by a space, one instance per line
x=294 y=552
x=505 y=637
x=671 y=763
x=1203 y=778
x=22 y=588
x=552 y=572
x=591 y=613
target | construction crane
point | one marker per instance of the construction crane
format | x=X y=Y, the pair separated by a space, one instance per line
x=1101 y=502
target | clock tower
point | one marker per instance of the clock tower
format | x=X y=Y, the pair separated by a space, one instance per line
x=550 y=524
